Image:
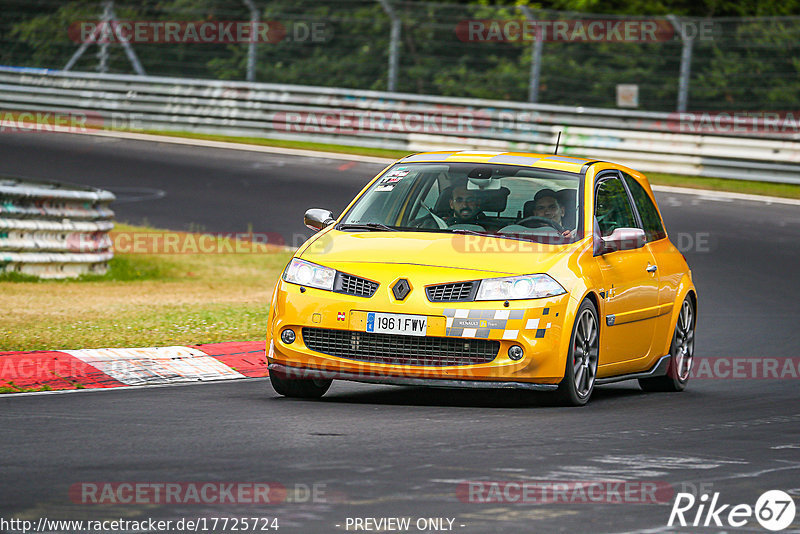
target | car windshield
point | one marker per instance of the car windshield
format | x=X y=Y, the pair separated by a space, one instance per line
x=500 y=200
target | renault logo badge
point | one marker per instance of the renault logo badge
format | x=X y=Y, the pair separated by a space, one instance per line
x=401 y=289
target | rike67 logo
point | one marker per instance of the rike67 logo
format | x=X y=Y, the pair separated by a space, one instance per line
x=774 y=510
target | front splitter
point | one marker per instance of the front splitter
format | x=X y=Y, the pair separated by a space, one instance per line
x=406 y=381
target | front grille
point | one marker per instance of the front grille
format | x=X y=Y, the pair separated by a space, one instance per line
x=457 y=292
x=354 y=285
x=400 y=350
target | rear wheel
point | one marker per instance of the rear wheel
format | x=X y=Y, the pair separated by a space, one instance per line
x=681 y=352
x=301 y=388
x=581 y=370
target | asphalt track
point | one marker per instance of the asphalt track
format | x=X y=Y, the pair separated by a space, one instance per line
x=385 y=451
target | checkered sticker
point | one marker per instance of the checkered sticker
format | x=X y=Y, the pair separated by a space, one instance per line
x=497 y=324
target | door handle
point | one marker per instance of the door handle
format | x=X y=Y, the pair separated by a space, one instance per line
x=652 y=268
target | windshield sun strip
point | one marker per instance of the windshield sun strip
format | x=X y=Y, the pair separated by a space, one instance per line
x=581 y=176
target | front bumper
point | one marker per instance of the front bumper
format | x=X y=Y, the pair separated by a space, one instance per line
x=310 y=374
x=535 y=325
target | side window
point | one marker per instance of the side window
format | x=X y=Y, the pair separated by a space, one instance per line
x=653 y=228
x=433 y=195
x=522 y=191
x=612 y=208
x=429 y=199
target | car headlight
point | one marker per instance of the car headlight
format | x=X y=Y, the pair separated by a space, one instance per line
x=532 y=286
x=309 y=274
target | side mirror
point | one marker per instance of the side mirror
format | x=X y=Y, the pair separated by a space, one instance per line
x=620 y=239
x=317 y=218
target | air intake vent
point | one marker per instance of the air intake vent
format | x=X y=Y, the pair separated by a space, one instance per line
x=400 y=350
x=354 y=285
x=458 y=292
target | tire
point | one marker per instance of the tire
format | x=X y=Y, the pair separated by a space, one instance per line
x=299 y=388
x=681 y=352
x=581 y=368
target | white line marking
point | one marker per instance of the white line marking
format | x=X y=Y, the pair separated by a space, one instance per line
x=155 y=365
x=729 y=195
x=122 y=388
x=237 y=146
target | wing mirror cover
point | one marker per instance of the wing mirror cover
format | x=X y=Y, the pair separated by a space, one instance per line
x=620 y=239
x=317 y=218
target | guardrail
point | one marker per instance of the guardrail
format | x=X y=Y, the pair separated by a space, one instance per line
x=54 y=230
x=647 y=141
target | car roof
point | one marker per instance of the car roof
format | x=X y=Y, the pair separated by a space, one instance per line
x=525 y=159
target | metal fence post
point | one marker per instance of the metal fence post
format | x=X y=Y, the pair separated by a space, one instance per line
x=109 y=19
x=102 y=52
x=686 y=63
x=394 y=44
x=536 y=59
x=251 y=48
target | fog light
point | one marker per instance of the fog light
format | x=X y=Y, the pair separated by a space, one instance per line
x=515 y=352
x=287 y=336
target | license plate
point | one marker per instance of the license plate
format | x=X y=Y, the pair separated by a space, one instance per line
x=397 y=323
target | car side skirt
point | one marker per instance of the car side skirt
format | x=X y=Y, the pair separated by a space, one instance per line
x=408 y=381
x=659 y=369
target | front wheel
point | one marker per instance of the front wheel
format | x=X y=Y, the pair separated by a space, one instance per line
x=581 y=370
x=681 y=353
x=301 y=388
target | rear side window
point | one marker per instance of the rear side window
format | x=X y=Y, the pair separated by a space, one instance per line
x=612 y=209
x=653 y=228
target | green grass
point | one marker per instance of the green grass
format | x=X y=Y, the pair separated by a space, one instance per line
x=282 y=143
x=725 y=184
x=122 y=268
x=144 y=300
x=129 y=268
x=13 y=388
x=715 y=184
x=150 y=326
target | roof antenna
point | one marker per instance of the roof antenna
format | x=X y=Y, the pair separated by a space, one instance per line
x=557 y=142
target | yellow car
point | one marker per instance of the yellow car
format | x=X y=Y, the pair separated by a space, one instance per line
x=487 y=270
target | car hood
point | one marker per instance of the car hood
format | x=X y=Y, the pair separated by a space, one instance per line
x=454 y=251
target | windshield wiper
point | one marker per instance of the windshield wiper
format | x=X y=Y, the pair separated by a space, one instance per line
x=368 y=226
x=470 y=232
x=515 y=237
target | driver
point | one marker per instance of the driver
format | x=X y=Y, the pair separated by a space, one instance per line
x=547 y=205
x=466 y=207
